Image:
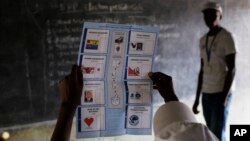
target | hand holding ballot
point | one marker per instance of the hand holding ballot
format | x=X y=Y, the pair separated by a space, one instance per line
x=167 y=121
x=70 y=90
x=163 y=83
x=112 y=75
x=174 y=121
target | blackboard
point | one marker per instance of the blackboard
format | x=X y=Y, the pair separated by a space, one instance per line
x=39 y=44
x=40 y=40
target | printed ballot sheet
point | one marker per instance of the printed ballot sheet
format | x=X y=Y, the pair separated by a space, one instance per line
x=116 y=98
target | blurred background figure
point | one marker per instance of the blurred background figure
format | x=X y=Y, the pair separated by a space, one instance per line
x=217 y=53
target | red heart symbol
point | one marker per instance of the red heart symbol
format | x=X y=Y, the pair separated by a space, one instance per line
x=89 y=121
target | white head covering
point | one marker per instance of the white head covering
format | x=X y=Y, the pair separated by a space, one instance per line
x=212 y=5
x=174 y=121
x=172 y=112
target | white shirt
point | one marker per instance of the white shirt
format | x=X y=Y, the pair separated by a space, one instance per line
x=174 y=121
x=215 y=70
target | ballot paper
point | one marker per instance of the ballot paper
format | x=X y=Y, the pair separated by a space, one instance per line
x=117 y=95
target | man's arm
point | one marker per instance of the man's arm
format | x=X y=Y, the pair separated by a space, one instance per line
x=230 y=61
x=70 y=89
x=198 y=92
x=64 y=123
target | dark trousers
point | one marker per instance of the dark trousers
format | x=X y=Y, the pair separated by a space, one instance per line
x=215 y=113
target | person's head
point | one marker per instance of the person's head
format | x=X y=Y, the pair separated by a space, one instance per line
x=212 y=12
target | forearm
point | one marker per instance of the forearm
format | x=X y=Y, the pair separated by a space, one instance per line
x=170 y=97
x=228 y=82
x=230 y=60
x=64 y=123
x=70 y=90
x=199 y=86
x=200 y=81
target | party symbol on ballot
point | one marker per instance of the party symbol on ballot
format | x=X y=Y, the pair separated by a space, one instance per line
x=89 y=121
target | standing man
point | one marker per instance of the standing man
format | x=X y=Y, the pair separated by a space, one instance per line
x=217 y=52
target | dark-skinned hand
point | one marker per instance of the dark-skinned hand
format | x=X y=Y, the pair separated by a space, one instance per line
x=163 y=83
x=70 y=88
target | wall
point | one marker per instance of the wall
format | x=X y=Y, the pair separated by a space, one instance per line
x=39 y=42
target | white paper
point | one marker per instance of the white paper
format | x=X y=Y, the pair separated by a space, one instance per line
x=139 y=92
x=138 y=117
x=139 y=67
x=96 y=41
x=93 y=66
x=142 y=43
x=118 y=43
x=93 y=118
